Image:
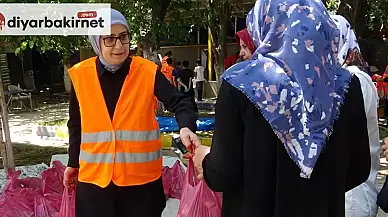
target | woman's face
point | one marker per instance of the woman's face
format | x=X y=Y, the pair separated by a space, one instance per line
x=115 y=47
x=245 y=53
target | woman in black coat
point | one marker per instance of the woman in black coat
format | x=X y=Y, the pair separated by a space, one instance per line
x=290 y=132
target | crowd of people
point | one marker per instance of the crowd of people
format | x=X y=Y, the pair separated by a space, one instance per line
x=189 y=82
x=296 y=127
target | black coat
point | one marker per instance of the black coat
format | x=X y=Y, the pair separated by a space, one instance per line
x=250 y=165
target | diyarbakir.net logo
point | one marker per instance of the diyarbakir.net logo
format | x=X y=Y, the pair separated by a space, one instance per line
x=55 y=19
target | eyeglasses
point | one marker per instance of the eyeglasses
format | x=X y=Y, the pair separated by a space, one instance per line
x=112 y=40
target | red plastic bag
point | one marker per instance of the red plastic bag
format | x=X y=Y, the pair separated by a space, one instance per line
x=24 y=189
x=53 y=178
x=68 y=203
x=55 y=200
x=173 y=180
x=14 y=182
x=11 y=206
x=166 y=179
x=177 y=180
x=197 y=198
x=24 y=198
x=43 y=207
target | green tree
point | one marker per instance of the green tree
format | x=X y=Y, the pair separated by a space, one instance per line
x=355 y=11
x=219 y=13
x=364 y=15
x=377 y=15
x=148 y=23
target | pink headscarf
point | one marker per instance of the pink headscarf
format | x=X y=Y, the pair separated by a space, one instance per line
x=246 y=38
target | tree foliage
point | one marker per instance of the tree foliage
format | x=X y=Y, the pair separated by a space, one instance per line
x=218 y=13
x=149 y=24
x=363 y=14
x=154 y=21
x=377 y=14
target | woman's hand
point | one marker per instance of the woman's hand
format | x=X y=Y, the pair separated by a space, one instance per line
x=70 y=177
x=190 y=140
x=384 y=148
x=200 y=153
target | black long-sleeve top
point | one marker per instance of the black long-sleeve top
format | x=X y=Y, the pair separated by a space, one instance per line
x=111 y=84
x=250 y=165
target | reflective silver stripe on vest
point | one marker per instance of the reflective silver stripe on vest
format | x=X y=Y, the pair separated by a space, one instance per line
x=103 y=136
x=121 y=135
x=126 y=135
x=138 y=157
x=121 y=157
x=95 y=158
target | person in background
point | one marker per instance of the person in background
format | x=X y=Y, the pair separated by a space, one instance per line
x=381 y=80
x=168 y=69
x=384 y=80
x=361 y=201
x=239 y=60
x=378 y=77
x=166 y=56
x=290 y=137
x=247 y=47
x=199 y=74
x=185 y=81
x=368 y=69
x=205 y=64
x=115 y=152
x=231 y=60
x=175 y=73
x=178 y=65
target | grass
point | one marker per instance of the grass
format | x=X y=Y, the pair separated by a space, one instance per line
x=60 y=122
x=32 y=154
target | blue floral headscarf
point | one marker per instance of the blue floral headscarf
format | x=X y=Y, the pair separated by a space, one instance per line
x=293 y=77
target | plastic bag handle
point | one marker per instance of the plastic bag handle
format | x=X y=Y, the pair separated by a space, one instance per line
x=191 y=174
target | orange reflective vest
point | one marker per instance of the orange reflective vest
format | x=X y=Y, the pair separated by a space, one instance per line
x=385 y=84
x=164 y=60
x=167 y=71
x=127 y=149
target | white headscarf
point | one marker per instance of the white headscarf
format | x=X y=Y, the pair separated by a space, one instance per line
x=348 y=40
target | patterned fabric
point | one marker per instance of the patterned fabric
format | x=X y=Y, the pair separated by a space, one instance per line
x=116 y=18
x=349 y=51
x=293 y=77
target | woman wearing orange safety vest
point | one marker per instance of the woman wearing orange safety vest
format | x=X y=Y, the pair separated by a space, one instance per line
x=166 y=56
x=168 y=69
x=115 y=146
